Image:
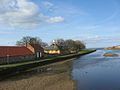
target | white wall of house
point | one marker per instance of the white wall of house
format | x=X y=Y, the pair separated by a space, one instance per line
x=39 y=54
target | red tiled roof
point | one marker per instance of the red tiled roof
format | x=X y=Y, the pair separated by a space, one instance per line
x=14 y=51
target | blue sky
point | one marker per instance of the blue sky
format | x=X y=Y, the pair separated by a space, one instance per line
x=96 y=22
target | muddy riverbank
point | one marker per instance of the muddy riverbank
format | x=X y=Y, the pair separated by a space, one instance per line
x=51 y=77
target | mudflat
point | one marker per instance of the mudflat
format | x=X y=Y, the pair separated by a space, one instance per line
x=56 y=77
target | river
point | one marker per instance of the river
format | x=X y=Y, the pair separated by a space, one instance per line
x=96 y=72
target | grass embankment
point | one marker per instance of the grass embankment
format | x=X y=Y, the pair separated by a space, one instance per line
x=19 y=67
x=82 y=52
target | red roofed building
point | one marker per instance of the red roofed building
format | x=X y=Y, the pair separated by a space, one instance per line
x=12 y=54
x=36 y=49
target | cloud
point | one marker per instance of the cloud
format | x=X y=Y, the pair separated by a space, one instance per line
x=56 y=19
x=103 y=39
x=47 y=4
x=24 y=14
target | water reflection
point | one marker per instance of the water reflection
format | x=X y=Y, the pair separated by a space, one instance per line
x=96 y=72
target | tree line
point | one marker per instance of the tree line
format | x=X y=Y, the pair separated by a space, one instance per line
x=66 y=45
x=31 y=40
x=70 y=45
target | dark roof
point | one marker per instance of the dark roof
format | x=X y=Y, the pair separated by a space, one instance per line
x=14 y=51
x=37 y=47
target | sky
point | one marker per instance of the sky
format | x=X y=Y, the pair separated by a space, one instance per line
x=95 y=22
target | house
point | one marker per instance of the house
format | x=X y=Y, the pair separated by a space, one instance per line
x=13 y=54
x=55 y=49
x=52 y=50
x=36 y=49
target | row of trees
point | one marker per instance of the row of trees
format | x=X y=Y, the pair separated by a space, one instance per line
x=70 y=45
x=31 y=40
x=66 y=45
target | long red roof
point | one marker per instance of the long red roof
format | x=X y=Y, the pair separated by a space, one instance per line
x=14 y=51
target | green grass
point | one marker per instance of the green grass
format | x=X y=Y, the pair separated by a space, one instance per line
x=38 y=61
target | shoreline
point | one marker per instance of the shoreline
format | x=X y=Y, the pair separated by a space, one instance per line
x=57 y=78
x=12 y=69
x=69 y=56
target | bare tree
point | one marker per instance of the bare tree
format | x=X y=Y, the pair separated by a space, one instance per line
x=69 y=45
x=31 y=40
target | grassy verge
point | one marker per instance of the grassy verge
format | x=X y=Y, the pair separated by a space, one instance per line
x=19 y=67
x=82 y=52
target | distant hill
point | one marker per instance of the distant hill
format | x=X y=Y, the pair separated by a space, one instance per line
x=113 y=48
